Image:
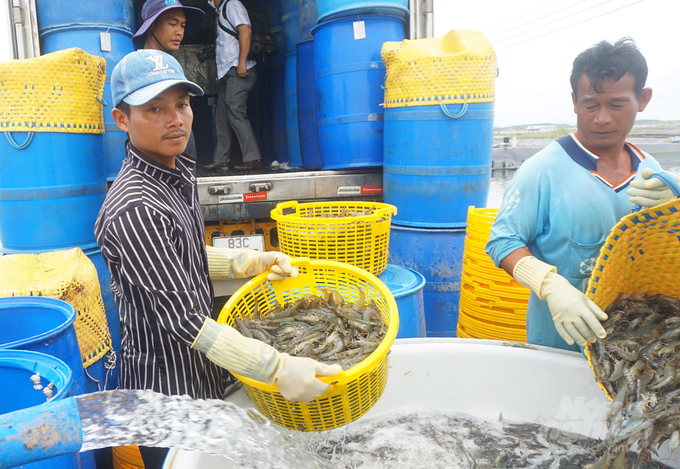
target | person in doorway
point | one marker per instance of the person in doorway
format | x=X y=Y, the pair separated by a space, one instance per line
x=166 y=24
x=151 y=234
x=237 y=75
x=564 y=201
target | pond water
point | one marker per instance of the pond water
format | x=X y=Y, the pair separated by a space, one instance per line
x=500 y=179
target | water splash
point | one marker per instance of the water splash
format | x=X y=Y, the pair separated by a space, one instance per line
x=146 y=418
x=409 y=437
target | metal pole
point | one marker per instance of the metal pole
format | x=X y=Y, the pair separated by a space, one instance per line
x=412 y=19
x=429 y=18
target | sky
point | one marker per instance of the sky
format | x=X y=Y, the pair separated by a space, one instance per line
x=533 y=83
x=536 y=42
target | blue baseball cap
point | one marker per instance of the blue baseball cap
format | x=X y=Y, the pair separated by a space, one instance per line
x=144 y=74
x=152 y=10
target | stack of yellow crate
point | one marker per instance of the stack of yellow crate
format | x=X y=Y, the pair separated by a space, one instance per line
x=492 y=304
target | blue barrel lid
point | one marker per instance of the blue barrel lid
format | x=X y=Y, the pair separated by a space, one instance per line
x=50 y=368
x=306 y=41
x=429 y=230
x=402 y=281
x=10 y=305
x=352 y=19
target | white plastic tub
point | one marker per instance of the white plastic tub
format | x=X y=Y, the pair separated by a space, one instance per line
x=538 y=384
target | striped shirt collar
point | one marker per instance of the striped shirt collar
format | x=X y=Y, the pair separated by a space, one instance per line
x=588 y=160
x=172 y=176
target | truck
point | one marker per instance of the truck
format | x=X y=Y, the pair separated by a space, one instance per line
x=236 y=205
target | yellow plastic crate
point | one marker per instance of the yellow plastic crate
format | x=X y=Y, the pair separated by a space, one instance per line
x=493 y=283
x=489 y=296
x=361 y=241
x=355 y=390
x=484 y=271
x=481 y=218
x=515 y=317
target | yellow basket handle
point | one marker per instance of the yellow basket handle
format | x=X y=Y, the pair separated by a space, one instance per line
x=288 y=204
x=301 y=262
x=384 y=211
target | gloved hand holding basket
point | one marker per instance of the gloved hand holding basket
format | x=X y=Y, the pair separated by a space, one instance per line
x=353 y=392
x=641 y=255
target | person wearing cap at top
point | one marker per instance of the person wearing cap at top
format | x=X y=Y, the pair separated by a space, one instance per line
x=165 y=24
x=237 y=75
x=151 y=234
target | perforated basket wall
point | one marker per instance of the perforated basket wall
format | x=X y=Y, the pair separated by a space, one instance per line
x=65 y=275
x=361 y=241
x=459 y=67
x=641 y=254
x=357 y=389
x=57 y=92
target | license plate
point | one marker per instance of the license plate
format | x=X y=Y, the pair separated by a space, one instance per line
x=255 y=242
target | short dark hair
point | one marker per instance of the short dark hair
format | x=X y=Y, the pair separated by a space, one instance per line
x=605 y=61
x=125 y=107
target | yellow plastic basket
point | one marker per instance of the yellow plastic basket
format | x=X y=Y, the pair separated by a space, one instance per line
x=355 y=390
x=641 y=254
x=361 y=241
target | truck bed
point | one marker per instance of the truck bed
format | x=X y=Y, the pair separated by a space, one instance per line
x=240 y=195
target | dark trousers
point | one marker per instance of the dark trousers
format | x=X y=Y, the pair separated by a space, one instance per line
x=153 y=457
x=231 y=117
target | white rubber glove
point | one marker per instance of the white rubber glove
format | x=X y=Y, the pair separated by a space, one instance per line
x=225 y=263
x=575 y=315
x=277 y=262
x=649 y=192
x=295 y=377
x=297 y=380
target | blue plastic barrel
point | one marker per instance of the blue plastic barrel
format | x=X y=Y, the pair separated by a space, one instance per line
x=438 y=255
x=290 y=19
x=406 y=286
x=62 y=26
x=306 y=101
x=437 y=162
x=348 y=74
x=16 y=369
x=332 y=9
x=108 y=379
x=276 y=29
x=42 y=325
x=278 y=103
x=308 y=18
x=292 y=132
x=51 y=191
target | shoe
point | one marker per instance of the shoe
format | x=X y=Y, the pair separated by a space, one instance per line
x=249 y=165
x=215 y=165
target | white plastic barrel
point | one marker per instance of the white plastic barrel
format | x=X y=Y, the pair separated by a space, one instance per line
x=536 y=384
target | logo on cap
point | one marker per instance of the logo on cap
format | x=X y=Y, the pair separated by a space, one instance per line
x=171 y=2
x=160 y=68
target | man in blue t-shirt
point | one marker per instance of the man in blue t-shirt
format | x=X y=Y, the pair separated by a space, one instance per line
x=564 y=201
x=237 y=77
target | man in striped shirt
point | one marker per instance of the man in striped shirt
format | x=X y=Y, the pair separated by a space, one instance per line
x=150 y=230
